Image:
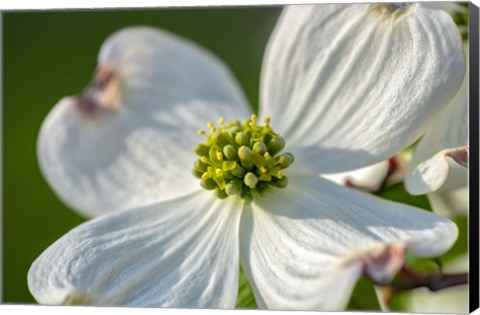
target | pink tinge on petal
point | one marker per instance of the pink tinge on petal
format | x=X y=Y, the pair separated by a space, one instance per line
x=103 y=93
x=382 y=263
x=459 y=155
x=397 y=168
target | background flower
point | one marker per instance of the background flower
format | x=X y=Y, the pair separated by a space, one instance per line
x=439 y=162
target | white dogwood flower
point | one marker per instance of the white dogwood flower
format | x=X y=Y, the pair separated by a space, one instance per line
x=374 y=177
x=346 y=85
x=440 y=160
x=369 y=178
x=439 y=163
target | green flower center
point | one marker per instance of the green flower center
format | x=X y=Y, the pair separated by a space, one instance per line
x=241 y=159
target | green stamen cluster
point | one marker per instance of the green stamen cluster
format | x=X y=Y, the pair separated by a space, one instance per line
x=241 y=158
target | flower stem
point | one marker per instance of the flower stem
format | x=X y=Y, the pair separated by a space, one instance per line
x=408 y=279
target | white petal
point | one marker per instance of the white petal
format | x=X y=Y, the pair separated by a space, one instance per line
x=109 y=153
x=450 y=7
x=370 y=177
x=438 y=172
x=350 y=85
x=179 y=253
x=305 y=248
x=450 y=203
x=446 y=137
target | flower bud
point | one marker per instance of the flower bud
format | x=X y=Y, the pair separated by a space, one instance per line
x=201 y=149
x=250 y=180
x=242 y=139
x=230 y=152
x=260 y=148
x=276 y=145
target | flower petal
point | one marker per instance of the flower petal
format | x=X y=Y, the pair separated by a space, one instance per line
x=369 y=178
x=352 y=84
x=305 y=248
x=450 y=203
x=438 y=172
x=450 y=7
x=128 y=140
x=179 y=253
x=445 y=143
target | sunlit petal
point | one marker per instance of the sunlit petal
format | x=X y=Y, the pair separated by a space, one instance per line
x=444 y=144
x=305 y=248
x=450 y=203
x=369 y=178
x=350 y=85
x=179 y=253
x=128 y=139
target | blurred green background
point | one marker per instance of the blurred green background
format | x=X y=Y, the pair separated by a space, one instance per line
x=48 y=55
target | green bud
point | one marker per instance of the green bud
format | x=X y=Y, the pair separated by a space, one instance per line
x=238 y=171
x=263 y=190
x=242 y=139
x=286 y=161
x=281 y=182
x=276 y=145
x=235 y=127
x=201 y=150
x=233 y=188
x=221 y=138
x=258 y=160
x=208 y=184
x=260 y=148
x=197 y=174
x=221 y=194
x=250 y=180
x=267 y=138
x=200 y=166
x=290 y=157
x=230 y=152
x=244 y=153
x=228 y=175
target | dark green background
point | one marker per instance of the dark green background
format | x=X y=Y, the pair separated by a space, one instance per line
x=48 y=55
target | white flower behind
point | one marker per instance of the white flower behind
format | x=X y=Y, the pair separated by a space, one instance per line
x=369 y=178
x=440 y=160
x=346 y=85
x=439 y=164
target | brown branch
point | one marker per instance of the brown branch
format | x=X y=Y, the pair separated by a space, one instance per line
x=408 y=279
